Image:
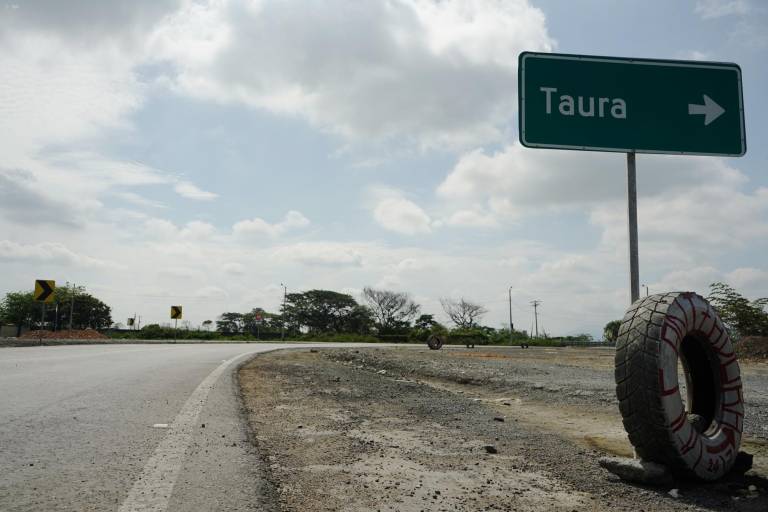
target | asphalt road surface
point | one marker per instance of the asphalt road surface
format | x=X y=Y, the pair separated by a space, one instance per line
x=127 y=428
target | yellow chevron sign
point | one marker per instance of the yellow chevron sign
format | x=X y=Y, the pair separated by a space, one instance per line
x=175 y=312
x=45 y=290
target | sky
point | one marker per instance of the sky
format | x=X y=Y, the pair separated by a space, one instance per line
x=201 y=153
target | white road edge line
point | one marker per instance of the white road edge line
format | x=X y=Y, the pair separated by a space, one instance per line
x=152 y=491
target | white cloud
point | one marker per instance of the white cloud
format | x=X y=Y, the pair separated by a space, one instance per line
x=233 y=268
x=197 y=230
x=710 y=9
x=139 y=200
x=55 y=93
x=211 y=292
x=191 y=191
x=321 y=253
x=748 y=278
x=473 y=219
x=258 y=226
x=50 y=253
x=519 y=180
x=166 y=231
x=400 y=215
x=434 y=73
x=675 y=226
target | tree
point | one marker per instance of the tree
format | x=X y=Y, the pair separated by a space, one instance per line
x=463 y=313
x=21 y=309
x=87 y=310
x=207 y=325
x=359 y=321
x=230 y=322
x=611 y=330
x=741 y=317
x=319 y=310
x=425 y=322
x=392 y=311
x=17 y=308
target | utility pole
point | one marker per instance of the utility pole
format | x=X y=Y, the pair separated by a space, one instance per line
x=71 y=304
x=535 y=304
x=282 y=323
x=511 y=325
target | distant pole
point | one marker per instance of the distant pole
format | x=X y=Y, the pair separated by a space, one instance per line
x=175 y=328
x=72 y=304
x=511 y=325
x=535 y=305
x=634 y=272
x=282 y=323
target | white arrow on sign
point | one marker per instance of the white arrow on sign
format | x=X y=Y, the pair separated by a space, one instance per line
x=709 y=109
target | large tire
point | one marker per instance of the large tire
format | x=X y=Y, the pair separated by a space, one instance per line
x=435 y=342
x=698 y=440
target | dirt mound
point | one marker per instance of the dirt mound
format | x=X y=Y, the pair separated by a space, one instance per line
x=752 y=347
x=87 y=334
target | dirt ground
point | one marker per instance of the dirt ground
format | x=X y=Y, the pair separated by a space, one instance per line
x=409 y=429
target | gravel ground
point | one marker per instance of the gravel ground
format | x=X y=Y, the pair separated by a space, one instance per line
x=485 y=429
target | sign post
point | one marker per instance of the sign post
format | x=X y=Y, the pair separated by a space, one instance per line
x=631 y=106
x=634 y=263
x=176 y=314
x=45 y=292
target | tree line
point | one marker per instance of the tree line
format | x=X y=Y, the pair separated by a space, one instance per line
x=72 y=307
x=327 y=312
x=742 y=317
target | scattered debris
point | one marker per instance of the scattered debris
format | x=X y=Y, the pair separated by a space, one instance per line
x=85 y=334
x=489 y=448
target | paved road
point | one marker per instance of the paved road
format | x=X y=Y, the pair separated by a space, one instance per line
x=82 y=428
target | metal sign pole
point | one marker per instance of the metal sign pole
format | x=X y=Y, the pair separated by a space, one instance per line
x=42 y=321
x=634 y=272
x=175 y=328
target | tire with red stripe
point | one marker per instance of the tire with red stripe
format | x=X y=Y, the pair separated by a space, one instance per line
x=696 y=438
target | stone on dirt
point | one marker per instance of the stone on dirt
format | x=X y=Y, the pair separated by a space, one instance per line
x=637 y=471
x=742 y=464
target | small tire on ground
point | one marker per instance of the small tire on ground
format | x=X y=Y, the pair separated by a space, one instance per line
x=435 y=342
x=699 y=439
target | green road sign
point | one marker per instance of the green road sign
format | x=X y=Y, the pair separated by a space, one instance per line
x=640 y=105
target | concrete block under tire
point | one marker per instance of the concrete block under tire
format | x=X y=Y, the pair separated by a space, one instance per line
x=637 y=471
x=701 y=439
